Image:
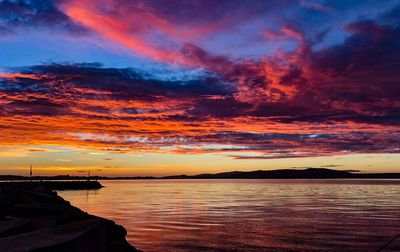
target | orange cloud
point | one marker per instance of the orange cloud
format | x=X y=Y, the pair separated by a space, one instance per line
x=19 y=75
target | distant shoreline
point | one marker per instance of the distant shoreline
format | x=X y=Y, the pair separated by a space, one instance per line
x=310 y=173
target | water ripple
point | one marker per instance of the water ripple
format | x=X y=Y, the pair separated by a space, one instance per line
x=250 y=215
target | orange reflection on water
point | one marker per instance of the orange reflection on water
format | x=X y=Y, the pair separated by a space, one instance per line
x=249 y=215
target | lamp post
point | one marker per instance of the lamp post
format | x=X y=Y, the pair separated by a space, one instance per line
x=30 y=173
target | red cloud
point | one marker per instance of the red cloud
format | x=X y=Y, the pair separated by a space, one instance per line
x=340 y=99
x=283 y=34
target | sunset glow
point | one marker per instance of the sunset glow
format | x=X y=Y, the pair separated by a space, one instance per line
x=126 y=88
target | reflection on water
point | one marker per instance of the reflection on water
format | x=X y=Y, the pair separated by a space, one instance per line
x=250 y=215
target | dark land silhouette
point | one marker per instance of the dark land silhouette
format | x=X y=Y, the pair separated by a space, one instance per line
x=309 y=173
x=33 y=218
x=58 y=185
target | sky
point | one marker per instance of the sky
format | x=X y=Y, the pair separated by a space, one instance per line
x=160 y=87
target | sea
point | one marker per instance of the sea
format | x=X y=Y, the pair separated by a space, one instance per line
x=250 y=214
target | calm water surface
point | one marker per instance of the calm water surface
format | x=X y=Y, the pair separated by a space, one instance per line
x=250 y=215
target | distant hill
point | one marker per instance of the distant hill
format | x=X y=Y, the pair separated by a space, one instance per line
x=309 y=173
x=274 y=174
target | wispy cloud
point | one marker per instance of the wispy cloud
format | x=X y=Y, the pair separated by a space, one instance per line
x=309 y=99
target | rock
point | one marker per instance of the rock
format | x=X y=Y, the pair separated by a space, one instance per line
x=11 y=226
x=33 y=218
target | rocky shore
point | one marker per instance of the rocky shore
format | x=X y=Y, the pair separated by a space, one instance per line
x=58 y=185
x=35 y=218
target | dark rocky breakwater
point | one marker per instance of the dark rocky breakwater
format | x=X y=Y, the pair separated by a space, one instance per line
x=58 y=185
x=35 y=218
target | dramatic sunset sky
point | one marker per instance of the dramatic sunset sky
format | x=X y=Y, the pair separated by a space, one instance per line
x=158 y=87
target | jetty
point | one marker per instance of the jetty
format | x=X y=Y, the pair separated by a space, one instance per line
x=34 y=218
x=58 y=185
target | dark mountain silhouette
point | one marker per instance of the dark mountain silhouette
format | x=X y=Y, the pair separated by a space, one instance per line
x=309 y=173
